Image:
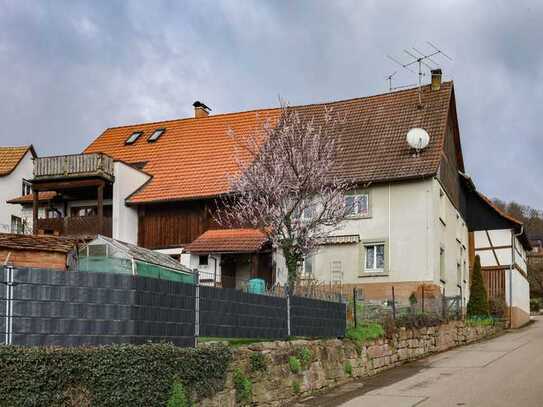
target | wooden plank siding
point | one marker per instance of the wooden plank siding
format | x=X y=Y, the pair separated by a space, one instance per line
x=494 y=279
x=177 y=224
x=449 y=166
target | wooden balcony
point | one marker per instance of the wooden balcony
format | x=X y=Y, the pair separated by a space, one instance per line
x=73 y=166
x=76 y=226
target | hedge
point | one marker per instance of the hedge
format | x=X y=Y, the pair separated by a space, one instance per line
x=117 y=375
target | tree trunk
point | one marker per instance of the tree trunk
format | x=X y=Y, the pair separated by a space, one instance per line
x=292 y=260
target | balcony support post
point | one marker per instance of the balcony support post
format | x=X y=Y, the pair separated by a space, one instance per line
x=100 y=205
x=34 y=211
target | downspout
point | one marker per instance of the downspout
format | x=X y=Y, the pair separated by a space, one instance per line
x=389 y=236
x=214 y=270
x=513 y=240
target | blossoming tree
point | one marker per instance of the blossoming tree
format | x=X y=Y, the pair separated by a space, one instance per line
x=289 y=184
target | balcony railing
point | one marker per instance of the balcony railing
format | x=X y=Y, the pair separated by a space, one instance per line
x=76 y=226
x=75 y=165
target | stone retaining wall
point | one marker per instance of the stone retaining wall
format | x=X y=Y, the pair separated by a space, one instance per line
x=335 y=362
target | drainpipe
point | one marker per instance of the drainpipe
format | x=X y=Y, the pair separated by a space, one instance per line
x=513 y=240
x=214 y=270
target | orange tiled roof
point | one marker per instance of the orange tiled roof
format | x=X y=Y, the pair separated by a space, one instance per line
x=37 y=242
x=194 y=157
x=27 y=199
x=229 y=241
x=10 y=158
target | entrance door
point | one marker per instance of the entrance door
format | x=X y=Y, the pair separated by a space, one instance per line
x=228 y=271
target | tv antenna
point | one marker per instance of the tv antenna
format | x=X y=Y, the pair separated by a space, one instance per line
x=389 y=80
x=420 y=59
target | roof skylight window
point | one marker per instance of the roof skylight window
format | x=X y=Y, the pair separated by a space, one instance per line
x=133 y=137
x=156 y=134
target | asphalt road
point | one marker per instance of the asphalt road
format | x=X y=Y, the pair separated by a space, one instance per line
x=504 y=371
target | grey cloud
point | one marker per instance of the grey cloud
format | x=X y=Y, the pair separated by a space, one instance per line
x=70 y=69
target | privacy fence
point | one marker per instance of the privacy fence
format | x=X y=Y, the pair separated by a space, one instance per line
x=43 y=307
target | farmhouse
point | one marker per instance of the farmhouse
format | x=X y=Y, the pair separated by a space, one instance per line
x=158 y=184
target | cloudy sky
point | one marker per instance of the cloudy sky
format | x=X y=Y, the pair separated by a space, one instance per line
x=70 y=69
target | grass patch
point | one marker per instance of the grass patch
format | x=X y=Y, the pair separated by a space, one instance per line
x=348 y=368
x=294 y=364
x=366 y=332
x=296 y=387
x=480 y=321
x=244 y=388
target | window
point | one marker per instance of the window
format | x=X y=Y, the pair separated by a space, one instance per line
x=133 y=137
x=26 y=187
x=17 y=225
x=357 y=204
x=442 y=271
x=308 y=267
x=375 y=257
x=156 y=135
x=203 y=260
x=308 y=213
x=84 y=211
x=442 y=207
x=458 y=273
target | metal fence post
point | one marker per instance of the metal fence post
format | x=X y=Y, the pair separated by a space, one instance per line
x=288 y=312
x=393 y=305
x=196 y=307
x=9 y=305
x=354 y=308
x=422 y=299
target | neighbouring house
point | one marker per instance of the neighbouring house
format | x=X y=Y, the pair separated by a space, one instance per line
x=15 y=169
x=38 y=252
x=502 y=245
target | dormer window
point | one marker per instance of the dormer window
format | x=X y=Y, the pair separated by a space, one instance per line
x=133 y=137
x=156 y=135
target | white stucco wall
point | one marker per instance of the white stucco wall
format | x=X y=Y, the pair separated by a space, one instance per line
x=11 y=187
x=406 y=216
x=125 y=218
x=520 y=294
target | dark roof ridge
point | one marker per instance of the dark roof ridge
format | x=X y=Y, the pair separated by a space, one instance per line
x=266 y=109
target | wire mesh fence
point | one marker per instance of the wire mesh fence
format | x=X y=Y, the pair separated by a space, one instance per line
x=420 y=304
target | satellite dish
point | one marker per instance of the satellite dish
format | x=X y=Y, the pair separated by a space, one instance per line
x=418 y=139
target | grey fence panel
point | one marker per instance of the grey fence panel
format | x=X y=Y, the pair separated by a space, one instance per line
x=72 y=309
x=232 y=313
x=317 y=318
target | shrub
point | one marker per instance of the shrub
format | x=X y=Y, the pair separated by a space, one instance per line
x=348 y=368
x=296 y=387
x=418 y=320
x=478 y=302
x=258 y=362
x=304 y=356
x=243 y=386
x=497 y=307
x=117 y=375
x=365 y=332
x=535 y=304
x=389 y=326
x=413 y=299
x=480 y=321
x=294 y=364
x=178 y=397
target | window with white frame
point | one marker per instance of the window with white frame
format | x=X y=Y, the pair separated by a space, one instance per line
x=308 y=213
x=357 y=204
x=374 y=257
x=17 y=225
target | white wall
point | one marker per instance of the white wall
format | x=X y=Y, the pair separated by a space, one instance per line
x=11 y=187
x=125 y=218
x=406 y=216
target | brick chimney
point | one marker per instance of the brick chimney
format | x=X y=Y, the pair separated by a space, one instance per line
x=200 y=109
x=436 y=79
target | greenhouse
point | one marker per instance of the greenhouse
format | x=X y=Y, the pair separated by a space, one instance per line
x=107 y=255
